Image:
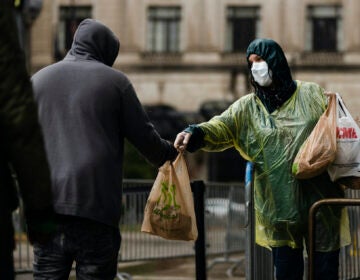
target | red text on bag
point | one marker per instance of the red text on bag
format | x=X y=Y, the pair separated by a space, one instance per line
x=346 y=133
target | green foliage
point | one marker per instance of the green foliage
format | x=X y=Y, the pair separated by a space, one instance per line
x=136 y=166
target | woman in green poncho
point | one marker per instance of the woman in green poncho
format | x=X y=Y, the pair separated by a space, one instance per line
x=267 y=128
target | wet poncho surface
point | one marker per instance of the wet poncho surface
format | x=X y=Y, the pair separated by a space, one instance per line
x=271 y=141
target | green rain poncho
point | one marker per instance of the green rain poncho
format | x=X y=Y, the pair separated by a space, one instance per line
x=271 y=141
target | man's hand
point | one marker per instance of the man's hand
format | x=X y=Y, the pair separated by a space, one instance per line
x=182 y=140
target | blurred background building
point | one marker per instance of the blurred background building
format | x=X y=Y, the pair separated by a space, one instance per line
x=188 y=56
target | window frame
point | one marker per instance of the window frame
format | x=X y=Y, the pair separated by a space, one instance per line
x=63 y=39
x=322 y=14
x=240 y=13
x=157 y=18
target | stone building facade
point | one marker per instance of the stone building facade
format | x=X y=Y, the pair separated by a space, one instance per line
x=185 y=53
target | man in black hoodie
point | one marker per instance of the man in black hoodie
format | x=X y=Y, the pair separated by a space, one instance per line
x=86 y=110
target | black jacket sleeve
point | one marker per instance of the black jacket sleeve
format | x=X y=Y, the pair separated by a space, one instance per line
x=141 y=132
x=196 y=141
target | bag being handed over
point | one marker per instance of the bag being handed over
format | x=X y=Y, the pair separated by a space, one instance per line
x=319 y=149
x=346 y=167
x=169 y=211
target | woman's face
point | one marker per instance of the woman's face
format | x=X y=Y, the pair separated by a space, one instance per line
x=260 y=71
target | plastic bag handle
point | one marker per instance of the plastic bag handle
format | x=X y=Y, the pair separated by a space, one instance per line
x=343 y=107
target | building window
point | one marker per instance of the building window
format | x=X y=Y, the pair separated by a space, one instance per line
x=242 y=26
x=69 y=19
x=325 y=25
x=163 y=32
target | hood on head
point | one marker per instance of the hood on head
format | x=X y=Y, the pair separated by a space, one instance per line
x=95 y=41
x=274 y=56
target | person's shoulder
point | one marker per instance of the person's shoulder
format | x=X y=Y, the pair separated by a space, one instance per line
x=48 y=69
x=120 y=81
x=242 y=103
x=309 y=86
x=119 y=77
x=117 y=72
x=247 y=97
x=112 y=75
x=112 y=71
x=309 y=89
x=245 y=100
x=310 y=92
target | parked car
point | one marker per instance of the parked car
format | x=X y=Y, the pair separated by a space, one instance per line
x=221 y=207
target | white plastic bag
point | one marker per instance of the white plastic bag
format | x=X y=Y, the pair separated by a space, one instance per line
x=347 y=159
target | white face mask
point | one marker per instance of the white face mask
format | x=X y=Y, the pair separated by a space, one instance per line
x=261 y=73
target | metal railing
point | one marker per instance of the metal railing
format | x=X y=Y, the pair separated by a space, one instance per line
x=222 y=209
x=259 y=261
x=225 y=221
x=349 y=261
x=348 y=269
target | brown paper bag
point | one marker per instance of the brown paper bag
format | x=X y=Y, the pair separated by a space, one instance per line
x=319 y=149
x=169 y=211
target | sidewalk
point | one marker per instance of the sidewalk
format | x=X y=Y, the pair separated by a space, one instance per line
x=180 y=269
x=172 y=269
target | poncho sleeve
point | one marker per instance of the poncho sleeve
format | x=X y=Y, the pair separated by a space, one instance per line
x=230 y=128
x=220 y=131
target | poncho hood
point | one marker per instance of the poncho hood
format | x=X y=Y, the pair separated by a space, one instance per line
x=283 y=85
x=94 y=41
x=274 y=56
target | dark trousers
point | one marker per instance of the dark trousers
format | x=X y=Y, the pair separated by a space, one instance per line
x=91 y=245
x=7 y=245
x=289 y=264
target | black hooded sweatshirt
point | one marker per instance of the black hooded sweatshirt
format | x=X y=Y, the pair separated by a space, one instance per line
x=86 y=111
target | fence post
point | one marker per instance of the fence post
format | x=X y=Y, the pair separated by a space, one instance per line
x=312 y=224
x=198 y=189
x=250 y=229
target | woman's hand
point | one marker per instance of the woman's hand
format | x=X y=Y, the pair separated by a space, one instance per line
x=181 y=141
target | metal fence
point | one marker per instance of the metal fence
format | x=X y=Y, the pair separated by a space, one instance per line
x=260 y=265
x=224 y=220
x=228 y=230
x=224 y=214
x=349 y=260
x=350 y=255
